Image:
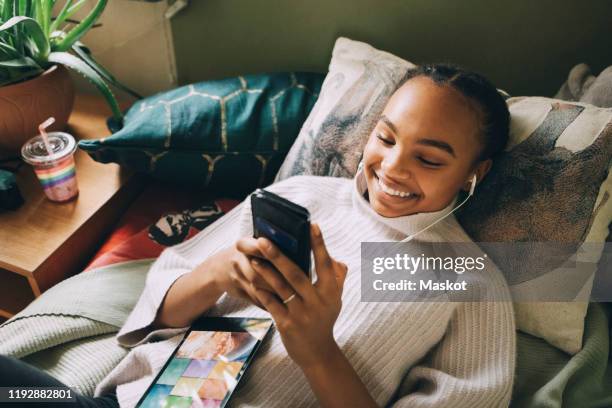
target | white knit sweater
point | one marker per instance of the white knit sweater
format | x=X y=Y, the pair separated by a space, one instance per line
x=444 y=354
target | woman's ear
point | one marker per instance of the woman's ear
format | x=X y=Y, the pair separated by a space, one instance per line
x=481 y=170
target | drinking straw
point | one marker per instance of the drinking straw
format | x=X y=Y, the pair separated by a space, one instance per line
x=43 y=133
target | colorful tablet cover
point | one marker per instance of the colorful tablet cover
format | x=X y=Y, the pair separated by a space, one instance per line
x=208 y=364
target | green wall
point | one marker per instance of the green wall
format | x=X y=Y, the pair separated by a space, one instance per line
x=525 y=47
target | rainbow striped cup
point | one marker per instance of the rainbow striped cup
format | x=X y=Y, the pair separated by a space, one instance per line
x=55 y=171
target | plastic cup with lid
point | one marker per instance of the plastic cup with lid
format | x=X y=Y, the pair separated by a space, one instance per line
x=53 y=164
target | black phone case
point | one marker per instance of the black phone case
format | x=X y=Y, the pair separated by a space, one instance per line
x=286 y=219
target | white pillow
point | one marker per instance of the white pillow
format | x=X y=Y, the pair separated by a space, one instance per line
x=353 y=95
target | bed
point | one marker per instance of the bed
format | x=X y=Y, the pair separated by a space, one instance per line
x=545 y=376
x=164 y=215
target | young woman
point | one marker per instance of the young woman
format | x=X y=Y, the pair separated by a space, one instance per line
x=440 y=128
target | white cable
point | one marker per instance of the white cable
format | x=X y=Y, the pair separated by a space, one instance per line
x=471 y=193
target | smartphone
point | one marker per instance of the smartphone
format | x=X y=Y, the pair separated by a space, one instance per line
x=208 y=364
x=284 y=223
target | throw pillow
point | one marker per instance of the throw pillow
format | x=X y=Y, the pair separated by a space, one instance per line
x=354 y=93
x=228 y=136
x=332 y=139
x=552 y=184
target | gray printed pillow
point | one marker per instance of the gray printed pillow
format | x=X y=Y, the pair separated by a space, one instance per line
x=552 y=184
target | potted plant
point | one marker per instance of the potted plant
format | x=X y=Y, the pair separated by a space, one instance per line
x=35 y=50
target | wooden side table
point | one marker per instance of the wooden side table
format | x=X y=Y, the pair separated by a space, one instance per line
x=43 y=242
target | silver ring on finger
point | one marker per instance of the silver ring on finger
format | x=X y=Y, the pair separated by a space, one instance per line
x=289 y=299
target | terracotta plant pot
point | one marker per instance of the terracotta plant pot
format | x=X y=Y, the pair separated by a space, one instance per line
x=25 y=105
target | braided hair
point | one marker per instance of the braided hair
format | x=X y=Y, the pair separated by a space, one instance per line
x=494 y=111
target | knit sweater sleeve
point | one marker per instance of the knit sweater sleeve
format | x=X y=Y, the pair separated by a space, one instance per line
x=183 y=258
x=472 y=366
x=173 y=263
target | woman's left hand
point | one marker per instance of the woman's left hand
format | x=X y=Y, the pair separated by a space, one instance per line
x=306 y=317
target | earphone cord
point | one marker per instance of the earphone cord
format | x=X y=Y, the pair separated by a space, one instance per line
x=410 y=237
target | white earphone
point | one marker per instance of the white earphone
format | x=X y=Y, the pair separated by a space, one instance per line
x=473 y=185
x=470 y=193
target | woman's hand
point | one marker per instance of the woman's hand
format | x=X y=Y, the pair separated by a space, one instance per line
x=228 y=270
x=304 y=313
x=234 y=273
x=256 y=270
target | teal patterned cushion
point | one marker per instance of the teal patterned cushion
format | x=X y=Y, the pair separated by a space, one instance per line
x=228 y=136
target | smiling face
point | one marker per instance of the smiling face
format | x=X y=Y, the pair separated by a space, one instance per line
x=423 y=150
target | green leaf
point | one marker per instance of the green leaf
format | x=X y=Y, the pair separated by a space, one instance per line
x=80 y=29
x=22 y=62
x=92 y=76
x=5 y=10
x=76 y=7
x=47 y=8
x=8 y=50
x=83 y=53
x=61 y=17
x=25 y=8
x=64 y=15
x=38 y=12
x=34 y=32
x=21 y=7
